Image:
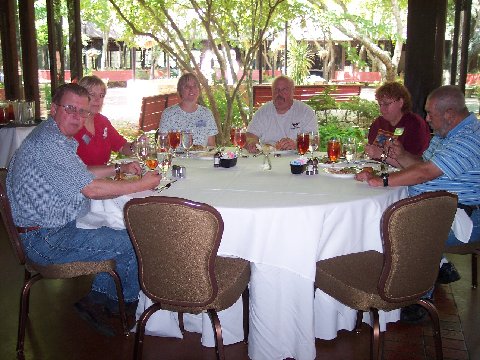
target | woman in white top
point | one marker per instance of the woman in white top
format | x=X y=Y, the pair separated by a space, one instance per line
x=188 y=115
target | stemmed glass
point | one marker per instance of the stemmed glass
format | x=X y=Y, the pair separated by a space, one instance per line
x=164 y=156
x=141 y=149
x=303 y=143
x=350 y=149
x=240 y=140
x=174 y=138
x=232 y=136
x=314 y=141
x=187 y=141
x=151 y=159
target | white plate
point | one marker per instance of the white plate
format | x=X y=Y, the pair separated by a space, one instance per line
x=284 y=152
x=333 y=173
x=124 y=160
x=337 y=165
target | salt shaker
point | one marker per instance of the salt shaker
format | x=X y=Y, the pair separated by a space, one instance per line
x=216 y=159
x=309 y=170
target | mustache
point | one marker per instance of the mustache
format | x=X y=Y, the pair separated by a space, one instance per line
x=279 y=97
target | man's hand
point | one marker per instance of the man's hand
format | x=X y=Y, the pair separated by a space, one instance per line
x=286 y=144
x=131 y=168
x=373 y=151
x=151 y=179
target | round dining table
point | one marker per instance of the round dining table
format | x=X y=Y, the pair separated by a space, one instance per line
x=11 y=137
x=283 y=224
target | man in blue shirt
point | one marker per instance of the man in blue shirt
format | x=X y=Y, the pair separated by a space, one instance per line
x=49 y=187
x=451 y=162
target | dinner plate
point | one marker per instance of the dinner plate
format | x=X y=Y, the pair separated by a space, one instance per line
x=337 y=173
x=284 y=152
x=124 y=160
x=202 y=155
x=337 y=165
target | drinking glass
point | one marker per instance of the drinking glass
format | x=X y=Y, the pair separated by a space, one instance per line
x=240 y=139
x=350 y=149
x=314 y=141
x=174 y=138
x=187 y=141
x=333 y=149
x=141 y=149
x=232 y=136
x=165 y=162
x=163 y=145
x=151 y=159
x=303 y=142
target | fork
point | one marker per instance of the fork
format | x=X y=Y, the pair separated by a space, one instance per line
x=166 y=186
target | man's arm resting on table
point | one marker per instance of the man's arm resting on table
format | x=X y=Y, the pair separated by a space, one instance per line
x=107 y=189
x=413 y=175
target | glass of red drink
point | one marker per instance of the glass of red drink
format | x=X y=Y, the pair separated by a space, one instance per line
x=174 y=138
x=240 y=139
x=232 y=136
x=333 y=149
x=303 y=142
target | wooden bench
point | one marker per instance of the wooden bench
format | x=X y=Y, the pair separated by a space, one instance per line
x=263 y=93
x=152 y=109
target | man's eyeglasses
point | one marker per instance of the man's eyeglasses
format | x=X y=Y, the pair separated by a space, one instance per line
x=386 y=104
x=70 y=109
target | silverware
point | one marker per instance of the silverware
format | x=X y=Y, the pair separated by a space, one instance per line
x=166 y=186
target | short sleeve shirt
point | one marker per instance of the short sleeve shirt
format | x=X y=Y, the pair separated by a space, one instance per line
x=95 y=149
x=270 y=126
x=200 y=122
x=415 y=137
x=458 y=156
x=45 y=178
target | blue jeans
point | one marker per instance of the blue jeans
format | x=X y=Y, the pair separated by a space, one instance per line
x=68 y=244
x=452 y=240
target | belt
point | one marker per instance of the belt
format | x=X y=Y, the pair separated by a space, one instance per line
x=468 y=208
x=24 y=230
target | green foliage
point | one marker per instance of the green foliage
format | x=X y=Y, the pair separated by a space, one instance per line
x=323 y=102
x=300 y=60
x=364 y=110
x=221 y=101
x=334 y=129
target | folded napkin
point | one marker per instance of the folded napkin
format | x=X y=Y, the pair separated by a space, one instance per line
x=462 y=226
x=107 y=212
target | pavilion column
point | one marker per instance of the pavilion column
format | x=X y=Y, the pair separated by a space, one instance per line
x=28 y=34
x=9 y=49
x=424 y=56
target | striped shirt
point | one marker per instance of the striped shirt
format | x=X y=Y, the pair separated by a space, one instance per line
x=45 y=178
x=458 y=156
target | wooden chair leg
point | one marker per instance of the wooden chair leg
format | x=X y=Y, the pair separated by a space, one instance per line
x=140 y=333
x=358 y=324
x=24 y=309
x=217 y=329
x=121 y=301
x=246 y=312
x=432 y=311
x=474 y=270
x=375 y=341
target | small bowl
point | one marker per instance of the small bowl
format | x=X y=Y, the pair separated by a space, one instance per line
x=228 y=163
x=297 y=169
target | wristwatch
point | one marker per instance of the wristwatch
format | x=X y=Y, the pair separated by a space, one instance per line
x=384 y=177
x=118 y=169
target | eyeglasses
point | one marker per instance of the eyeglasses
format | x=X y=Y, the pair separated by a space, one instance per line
x=70 y=109
x=386 y=104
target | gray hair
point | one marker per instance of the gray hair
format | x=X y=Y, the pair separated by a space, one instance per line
x=448 y=97
x=88 y=82
x=284 y=77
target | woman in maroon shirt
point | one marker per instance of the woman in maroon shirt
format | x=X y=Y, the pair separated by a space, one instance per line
x=397 y=122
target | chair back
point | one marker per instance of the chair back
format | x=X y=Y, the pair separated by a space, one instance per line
x=414 y=231
x=7 y=219
x=176 y=242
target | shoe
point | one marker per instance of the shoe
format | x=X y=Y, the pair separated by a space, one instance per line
x=447 y=274
x=413 y=314
x=94 y=315
x=112 y=308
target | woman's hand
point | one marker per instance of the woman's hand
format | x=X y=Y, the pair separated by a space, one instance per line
x=373 y=151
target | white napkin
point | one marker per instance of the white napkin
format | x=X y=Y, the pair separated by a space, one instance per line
x=107 y=212
x=462 y=226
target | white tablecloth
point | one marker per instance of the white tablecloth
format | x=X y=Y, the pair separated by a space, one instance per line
x=283 y=224
x=10 y=140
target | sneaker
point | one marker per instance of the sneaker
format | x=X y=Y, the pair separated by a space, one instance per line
x=413 y=314
x=94 y=315
x=447 y=274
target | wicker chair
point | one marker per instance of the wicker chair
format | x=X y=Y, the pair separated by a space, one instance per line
x=414 y=231
x=176 y=243
x=35 y=272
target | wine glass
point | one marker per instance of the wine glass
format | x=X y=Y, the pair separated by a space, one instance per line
x=240 y=139
x=151 y=159
x=314 y=141
x=303 y=142
x=232 y=136
x=141 y=149
x=350 y=149
x=333 y=149
x=187 y=141
x=174 y=138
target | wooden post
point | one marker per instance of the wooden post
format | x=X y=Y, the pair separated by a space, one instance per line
x=9 y=49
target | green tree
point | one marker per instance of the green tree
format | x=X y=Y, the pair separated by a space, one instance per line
x=181 y=26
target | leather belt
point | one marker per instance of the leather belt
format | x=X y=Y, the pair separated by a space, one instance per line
x=24 y=230
x=468 y=208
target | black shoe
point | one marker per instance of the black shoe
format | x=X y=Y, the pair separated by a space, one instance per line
x=112 y=308
x=447 y=274
x=94 y=315
x=413 y=314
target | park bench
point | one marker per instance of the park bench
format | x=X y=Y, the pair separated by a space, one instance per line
x=152 y=108
x=340 y=92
